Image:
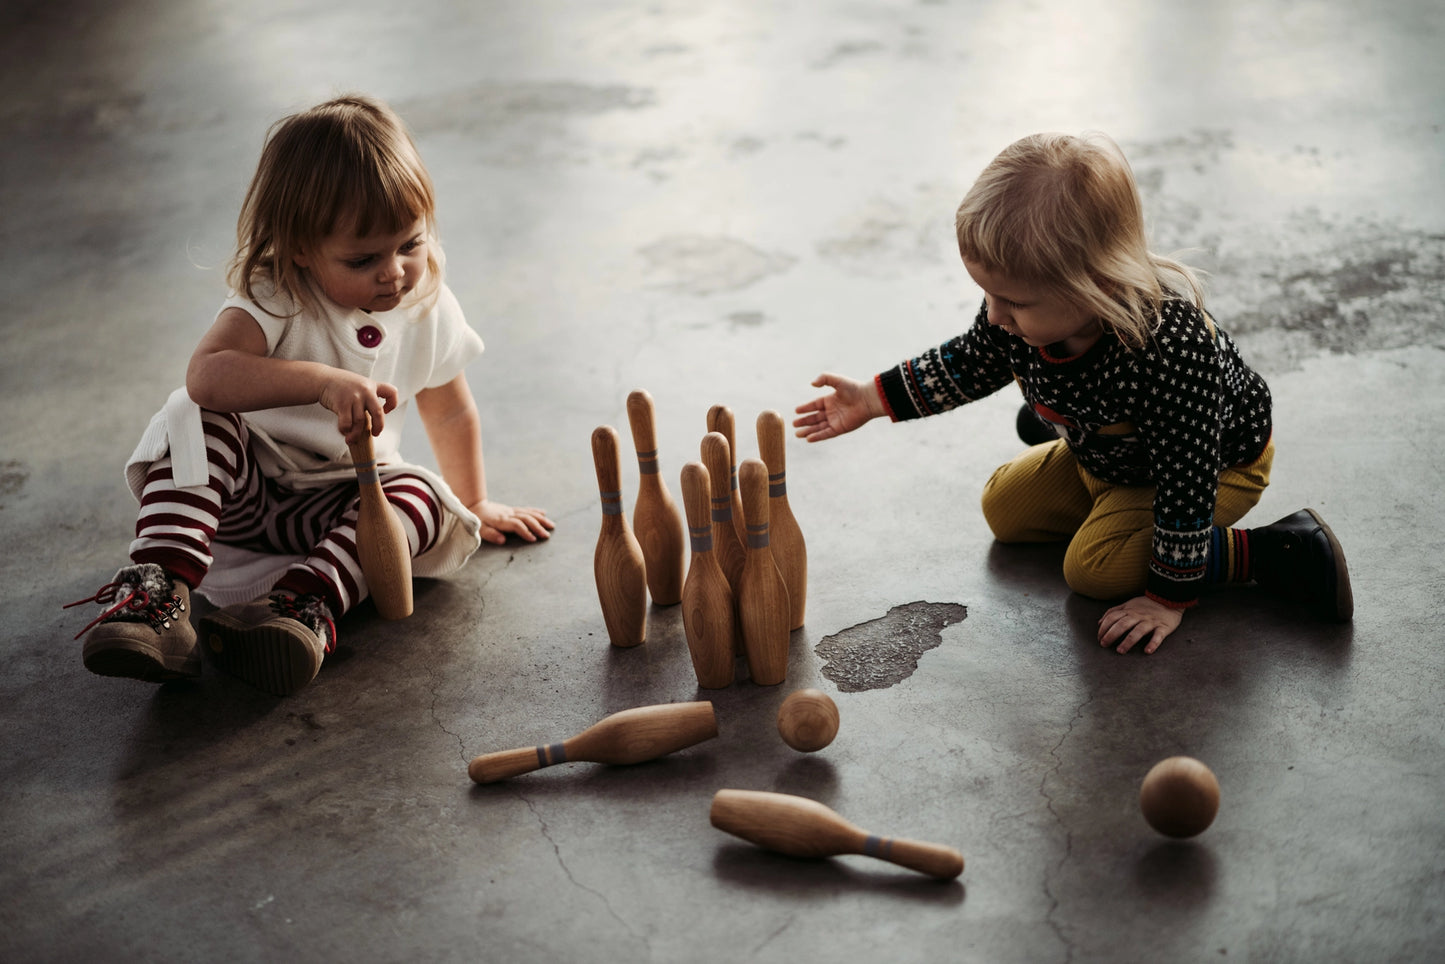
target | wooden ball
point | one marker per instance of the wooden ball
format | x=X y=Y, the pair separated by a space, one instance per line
x=808 y=720
x=1179 y=797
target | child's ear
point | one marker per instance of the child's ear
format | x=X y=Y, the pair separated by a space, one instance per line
x=300 y=260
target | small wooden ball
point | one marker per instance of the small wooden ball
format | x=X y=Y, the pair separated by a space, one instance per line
x=1179 y=797
x=808 y=720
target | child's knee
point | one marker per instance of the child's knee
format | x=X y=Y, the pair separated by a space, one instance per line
x=1088 y=582
x=1002 y=514
x=1104 y=575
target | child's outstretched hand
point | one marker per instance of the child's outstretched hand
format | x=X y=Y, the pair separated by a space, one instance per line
x=498 y=520
x=352 y=398
x=850 y=405
x=1138 y=619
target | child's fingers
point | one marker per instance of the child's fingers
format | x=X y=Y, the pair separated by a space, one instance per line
x=377 y=412
x=1106 y=626
x=531 y=527
x=1138 y=632
x=1115 y=627
x=389 y=395
x=540 y=518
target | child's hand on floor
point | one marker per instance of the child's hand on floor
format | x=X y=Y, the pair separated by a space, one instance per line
x=1138 y=619
x=498 y=520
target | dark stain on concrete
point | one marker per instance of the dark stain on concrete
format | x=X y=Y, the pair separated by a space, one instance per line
x=705 y=265
x=13 y=476
x=884 y=651
x=488 y=105
x=1291 y=285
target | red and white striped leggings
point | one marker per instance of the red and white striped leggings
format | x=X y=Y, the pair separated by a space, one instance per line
x=241 y=507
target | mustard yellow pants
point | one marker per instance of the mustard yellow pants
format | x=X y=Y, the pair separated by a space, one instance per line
x=1044 y=495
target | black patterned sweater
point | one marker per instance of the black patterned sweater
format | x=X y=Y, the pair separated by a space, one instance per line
x=1173 y=415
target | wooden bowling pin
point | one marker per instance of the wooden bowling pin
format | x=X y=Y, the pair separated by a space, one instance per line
x=617 y=563
x=720 y=419
x=655 y=519
x=727 y=545
x=630 y=736
x=708 y=617
x=763 y=607
x=800 y=827
x=381 y=544
x=789 y=550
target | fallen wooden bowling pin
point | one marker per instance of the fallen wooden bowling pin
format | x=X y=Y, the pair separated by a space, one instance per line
x=763 y=608
x=381 y=543
x=790 y=552
x=720 y=420
x=800 y=827
x=617 y=563
x=655 y=519
x=624 y=738
x=708 y=618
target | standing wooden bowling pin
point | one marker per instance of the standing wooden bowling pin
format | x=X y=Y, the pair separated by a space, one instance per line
x=655 y=519
x=763 y=607
x=789 y=550
x=727 y=545
x=381 y=544
x=707 y=599
x=617 y=564
x=720 y=419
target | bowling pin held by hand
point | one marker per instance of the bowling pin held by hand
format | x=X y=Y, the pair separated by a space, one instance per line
x=381 y=544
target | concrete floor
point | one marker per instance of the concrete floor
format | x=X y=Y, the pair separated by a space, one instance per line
x=715 y=202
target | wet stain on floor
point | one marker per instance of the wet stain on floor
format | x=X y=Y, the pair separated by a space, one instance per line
x=1296 y=282
x=885 y=651
x=699 y=265
x=13 y=476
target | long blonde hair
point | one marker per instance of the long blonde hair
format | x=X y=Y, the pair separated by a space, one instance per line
x=349 y=162
x=1063 y=213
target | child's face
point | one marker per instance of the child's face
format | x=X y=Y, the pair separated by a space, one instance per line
x=1039 y=317
x=372 y=273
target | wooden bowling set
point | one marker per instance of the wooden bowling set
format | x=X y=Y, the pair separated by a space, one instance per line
x=739 y=568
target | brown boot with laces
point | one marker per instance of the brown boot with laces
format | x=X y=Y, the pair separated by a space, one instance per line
x=146 y=632
x=275 y=643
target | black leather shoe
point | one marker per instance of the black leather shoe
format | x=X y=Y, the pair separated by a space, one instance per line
x=1300 y=558
x=1032 y=429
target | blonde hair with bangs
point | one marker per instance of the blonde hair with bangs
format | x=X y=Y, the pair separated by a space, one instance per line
x=1063 y=213
x=346 y=164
